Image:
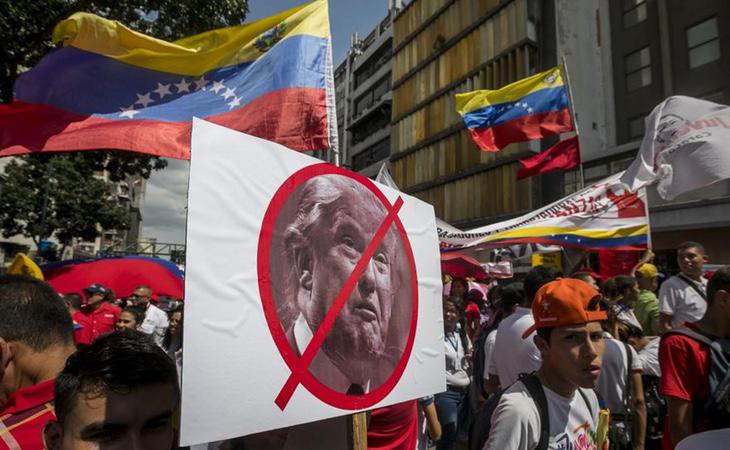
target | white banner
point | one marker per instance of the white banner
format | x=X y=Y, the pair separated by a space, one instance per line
x=311 y=292
x=603 y=215
x=685 y=147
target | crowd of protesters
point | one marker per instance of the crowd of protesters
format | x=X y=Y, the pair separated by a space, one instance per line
x=546 y=361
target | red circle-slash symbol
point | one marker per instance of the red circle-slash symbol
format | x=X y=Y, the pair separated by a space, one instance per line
x=299 y=366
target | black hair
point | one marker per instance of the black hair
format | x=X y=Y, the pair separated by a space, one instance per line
x=462 y=322
x=618 y=285
x=545 y=333
x=33 y=313
x=720 y=281
x=537 y=278
x=512 y=294
x=582 y=276
x=463 y=282
x=73 y=299
x=115 y=362
x=137 y=312
x=691 y=244
x=167 y=340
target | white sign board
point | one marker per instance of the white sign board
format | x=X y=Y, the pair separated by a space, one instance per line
x=311 y=292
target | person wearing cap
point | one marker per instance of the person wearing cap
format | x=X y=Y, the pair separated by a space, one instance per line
x=102 y=316
x=570 y=339
x=646 y=309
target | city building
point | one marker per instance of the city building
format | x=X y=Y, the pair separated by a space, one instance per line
x=650 y=50
x=441 y=48
x=363 y=96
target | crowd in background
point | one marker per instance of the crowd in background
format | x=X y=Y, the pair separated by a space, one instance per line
x=543 y=351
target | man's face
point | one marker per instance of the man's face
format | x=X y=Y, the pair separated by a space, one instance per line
x=691 y=260
x=336 y=245
x=140 y=297
x=138 y=420
x=93 y=299
x=575 y=353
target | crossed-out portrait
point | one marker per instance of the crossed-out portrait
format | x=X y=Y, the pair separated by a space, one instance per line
x=318 y=238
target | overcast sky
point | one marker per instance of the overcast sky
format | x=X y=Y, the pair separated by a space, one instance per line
x=164 y=210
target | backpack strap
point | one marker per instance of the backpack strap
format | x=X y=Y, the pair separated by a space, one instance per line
x=693 y=285
x=627 y=392
x=588 y=403
x=692 y=334
x=534 y=387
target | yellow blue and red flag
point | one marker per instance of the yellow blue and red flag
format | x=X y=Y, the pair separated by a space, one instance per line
x=108 y=87
x=528 y=109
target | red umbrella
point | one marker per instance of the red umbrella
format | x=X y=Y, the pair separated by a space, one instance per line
x=461 y=266
x=122 y=274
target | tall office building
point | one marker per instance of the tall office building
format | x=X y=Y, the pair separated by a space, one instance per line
x=363 y=95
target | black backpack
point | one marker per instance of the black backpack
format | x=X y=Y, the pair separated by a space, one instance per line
x=480 y=427
x=477 y=360
x=715 y=410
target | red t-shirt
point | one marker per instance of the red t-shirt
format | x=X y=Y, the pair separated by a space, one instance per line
x=102 y=320
x=23 y=416
x=82 y=328
x=473 y=316
x=685 y=365
x=394 y=427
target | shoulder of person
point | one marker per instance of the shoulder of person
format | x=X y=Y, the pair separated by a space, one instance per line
x=517 y=405
x=676 y=345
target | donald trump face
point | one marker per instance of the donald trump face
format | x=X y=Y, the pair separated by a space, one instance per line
x=336 y=220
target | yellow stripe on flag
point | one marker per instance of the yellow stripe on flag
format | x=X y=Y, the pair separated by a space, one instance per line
x=194 y=55
x=472 y=101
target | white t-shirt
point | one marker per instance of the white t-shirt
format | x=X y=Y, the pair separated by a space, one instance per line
x=614 y=371
x=626 y=315
x=681 y=301
x=649 y=358
x=513 y=355
x=456 y=374
x=488 y=351
x=516 y=421
x=155 y=323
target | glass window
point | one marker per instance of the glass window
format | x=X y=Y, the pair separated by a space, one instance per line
x=621 y=164
x=595 y=173
x=636 y=127
x=638 y=69
x=703 y=43
x=634 y=12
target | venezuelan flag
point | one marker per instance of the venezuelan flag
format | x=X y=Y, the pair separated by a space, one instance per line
x=528 y=109
x=109 y=87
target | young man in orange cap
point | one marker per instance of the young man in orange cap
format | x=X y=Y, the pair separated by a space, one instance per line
x=570 y=340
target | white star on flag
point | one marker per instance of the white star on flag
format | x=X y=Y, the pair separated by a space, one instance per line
x=200 y=83
x=144 y=100
x=229 y=93
x=163 y=90
x=128 y=112
x=217 y=86
x=235 y=102
x=183 y=86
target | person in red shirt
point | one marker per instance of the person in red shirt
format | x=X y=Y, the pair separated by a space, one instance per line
x=685 y=364
x=82 y=324
x=36 y=338
x=101 y=315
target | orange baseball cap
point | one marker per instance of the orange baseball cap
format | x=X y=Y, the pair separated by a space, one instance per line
x=565 y=301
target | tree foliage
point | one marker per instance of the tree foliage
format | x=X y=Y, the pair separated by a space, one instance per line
x=26 y=26
x=75 y=200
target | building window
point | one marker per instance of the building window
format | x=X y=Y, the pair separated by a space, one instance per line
x=595 y=173
x=636 y=127
x=634 y=12
x=638 y=69
x=370 y=156
x=703 y=43
x=571 y=182
x=621 y=164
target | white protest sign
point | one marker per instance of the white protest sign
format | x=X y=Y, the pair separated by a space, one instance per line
x=311 y=292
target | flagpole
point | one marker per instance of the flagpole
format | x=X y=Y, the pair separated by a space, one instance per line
x=575 y=119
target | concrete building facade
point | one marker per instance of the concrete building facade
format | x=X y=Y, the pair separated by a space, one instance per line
x=363 y=96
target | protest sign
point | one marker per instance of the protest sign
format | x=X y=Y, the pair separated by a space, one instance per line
x=311 y=291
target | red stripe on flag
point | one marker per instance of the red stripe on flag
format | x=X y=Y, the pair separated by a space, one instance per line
x=563 y=155
x=296 y=118
x=526 y=128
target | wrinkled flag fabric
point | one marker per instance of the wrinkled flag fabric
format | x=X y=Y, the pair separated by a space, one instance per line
x=685 y=147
